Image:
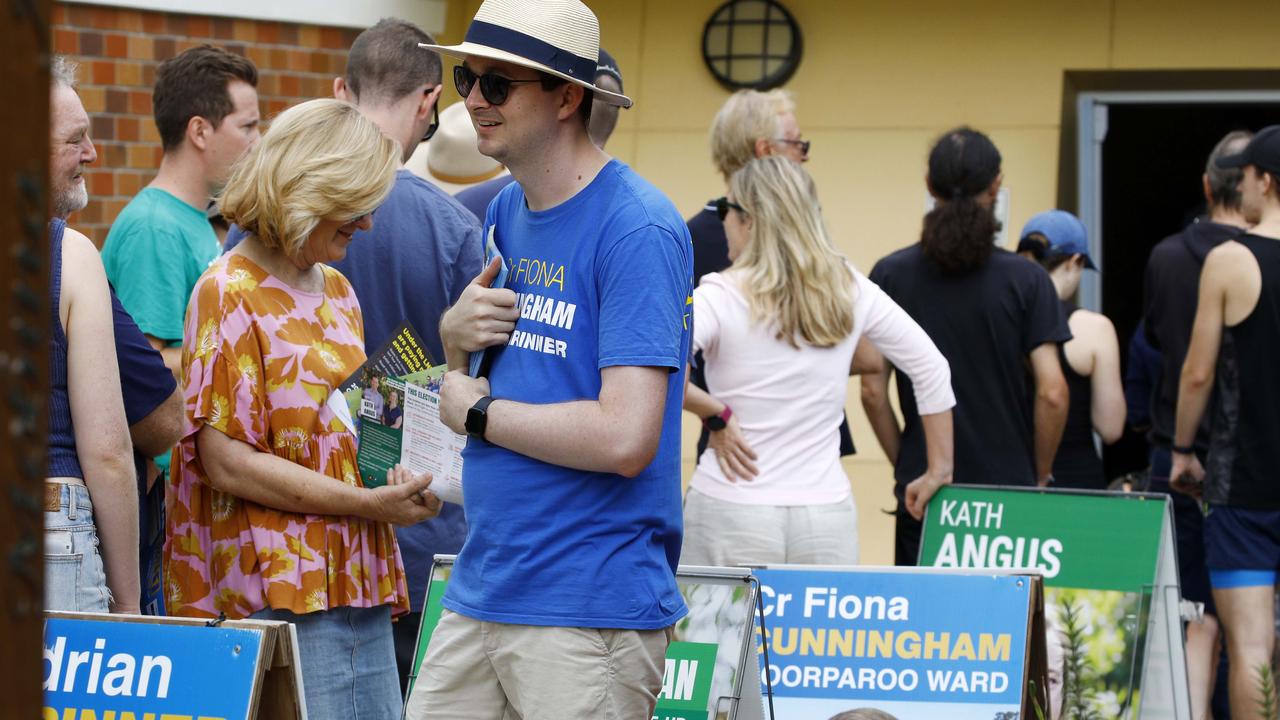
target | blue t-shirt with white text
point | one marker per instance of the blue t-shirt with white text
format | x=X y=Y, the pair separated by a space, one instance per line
x=603 y=280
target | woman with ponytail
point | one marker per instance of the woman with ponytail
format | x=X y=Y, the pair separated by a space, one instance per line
x=997 y=320
x=777 y=331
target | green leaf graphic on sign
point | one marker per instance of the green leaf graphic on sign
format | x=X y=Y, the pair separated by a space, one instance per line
x=686 y=681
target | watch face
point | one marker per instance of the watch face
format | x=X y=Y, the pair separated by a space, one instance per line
x=475 y=422
x=715 y=422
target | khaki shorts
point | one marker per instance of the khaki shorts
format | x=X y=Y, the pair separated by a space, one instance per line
x=476 y=670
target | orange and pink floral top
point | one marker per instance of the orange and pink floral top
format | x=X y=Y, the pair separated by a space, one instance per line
x=260 y=359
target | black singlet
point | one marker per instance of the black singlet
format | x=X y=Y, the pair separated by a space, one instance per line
x=1077 y=464
x=1244 y=454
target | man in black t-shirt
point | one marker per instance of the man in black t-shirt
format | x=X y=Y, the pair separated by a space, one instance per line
x=988 y=324
x=997 y=320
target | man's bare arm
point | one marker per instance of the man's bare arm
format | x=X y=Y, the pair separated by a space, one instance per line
x=1052 y=400
x=875 y=402
x=160 y=430
x=1222 y=274
x=618 y=433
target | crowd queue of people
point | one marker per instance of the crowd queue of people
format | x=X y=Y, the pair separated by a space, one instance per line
x=196 y=469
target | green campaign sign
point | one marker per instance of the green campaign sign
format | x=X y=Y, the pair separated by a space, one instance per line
x=1100 y=542
x=686 y=681
x=1111 y=600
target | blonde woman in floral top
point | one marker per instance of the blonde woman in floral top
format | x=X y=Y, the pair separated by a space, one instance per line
x=267 y=515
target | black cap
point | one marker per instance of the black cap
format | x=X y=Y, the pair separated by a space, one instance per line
x=1263 y=152
x=608 y=66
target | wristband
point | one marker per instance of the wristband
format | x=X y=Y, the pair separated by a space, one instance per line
x=1184 y=449
x=720 y=421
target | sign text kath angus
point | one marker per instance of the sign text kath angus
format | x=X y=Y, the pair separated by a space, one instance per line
x=991 y=548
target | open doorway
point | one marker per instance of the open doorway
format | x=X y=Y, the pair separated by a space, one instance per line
x=1133 y=149
x=1153 y=157
x=1152 y=160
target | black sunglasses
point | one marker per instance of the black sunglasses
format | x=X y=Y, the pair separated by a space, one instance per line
x=435 y=120
x=495 y=88
x=804 y=145
x=723 y=205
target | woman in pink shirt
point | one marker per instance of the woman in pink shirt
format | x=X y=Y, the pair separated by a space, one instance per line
x=777 y=331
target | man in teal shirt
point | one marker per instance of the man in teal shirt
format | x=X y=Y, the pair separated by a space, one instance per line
x=206 y=110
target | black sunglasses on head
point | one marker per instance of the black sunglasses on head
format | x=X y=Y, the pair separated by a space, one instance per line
x=495 y=88
x=435 y=120
x=723 y=205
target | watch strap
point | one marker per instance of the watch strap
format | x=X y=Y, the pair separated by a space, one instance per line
x=719 y=420
x=478 y=417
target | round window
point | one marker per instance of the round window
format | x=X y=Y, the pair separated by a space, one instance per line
x=751 y=44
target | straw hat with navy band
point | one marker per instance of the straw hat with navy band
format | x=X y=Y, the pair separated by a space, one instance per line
x=557 y=37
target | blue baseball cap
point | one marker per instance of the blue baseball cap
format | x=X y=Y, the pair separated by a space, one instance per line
x=1064 y=231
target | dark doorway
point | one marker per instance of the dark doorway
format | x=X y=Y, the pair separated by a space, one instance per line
x=1152 y=161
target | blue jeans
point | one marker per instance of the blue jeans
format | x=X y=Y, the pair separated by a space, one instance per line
x=348 y=662
x=74 y=579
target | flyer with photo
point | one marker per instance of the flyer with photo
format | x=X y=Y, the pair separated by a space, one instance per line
x=392 y=405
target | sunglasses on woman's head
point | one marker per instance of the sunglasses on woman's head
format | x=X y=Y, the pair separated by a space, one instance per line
x=495 y=88
x=723 y=205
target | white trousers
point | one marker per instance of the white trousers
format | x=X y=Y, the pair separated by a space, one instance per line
x=717 y=532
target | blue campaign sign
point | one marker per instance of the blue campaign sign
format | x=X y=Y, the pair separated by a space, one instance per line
x=141 y=670
x=907 y=643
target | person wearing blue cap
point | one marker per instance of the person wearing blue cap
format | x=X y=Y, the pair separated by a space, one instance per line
x=1090 y=359
x=1234 y=343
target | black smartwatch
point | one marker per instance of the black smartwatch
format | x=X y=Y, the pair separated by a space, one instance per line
x=478 y=417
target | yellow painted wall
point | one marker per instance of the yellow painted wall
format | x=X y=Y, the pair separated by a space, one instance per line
x=878 y=82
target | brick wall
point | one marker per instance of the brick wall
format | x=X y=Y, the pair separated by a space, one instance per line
x=118 y=51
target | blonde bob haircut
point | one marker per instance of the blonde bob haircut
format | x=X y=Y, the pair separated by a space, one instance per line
x=790 y=271
x=320 y=160
x=747 y=116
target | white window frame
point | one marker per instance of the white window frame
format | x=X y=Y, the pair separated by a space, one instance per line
x=427 y=14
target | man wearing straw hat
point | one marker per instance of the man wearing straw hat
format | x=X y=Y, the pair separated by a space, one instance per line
x=604 y=118
x=562 y=600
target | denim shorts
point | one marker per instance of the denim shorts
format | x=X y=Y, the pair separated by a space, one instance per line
x=74 y=579
x=348 y=662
